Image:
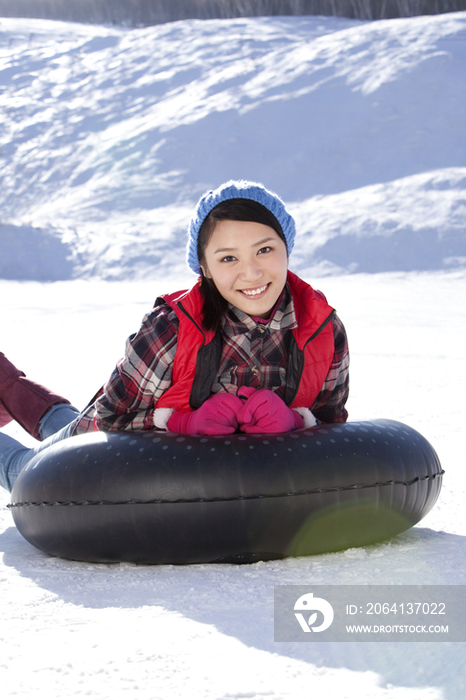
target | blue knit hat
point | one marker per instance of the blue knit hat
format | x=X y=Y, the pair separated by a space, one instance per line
x=239 y=189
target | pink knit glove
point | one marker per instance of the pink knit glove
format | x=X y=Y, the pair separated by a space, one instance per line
x=216 y=416
x=265 y=412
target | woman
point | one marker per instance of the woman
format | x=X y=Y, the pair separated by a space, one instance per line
x=251 y=347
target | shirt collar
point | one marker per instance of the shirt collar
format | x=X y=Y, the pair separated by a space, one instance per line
x=237 y=322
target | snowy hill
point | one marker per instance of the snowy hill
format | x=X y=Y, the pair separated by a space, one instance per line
x=109 y=136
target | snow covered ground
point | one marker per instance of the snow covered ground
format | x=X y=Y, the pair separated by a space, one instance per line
x=108 y=136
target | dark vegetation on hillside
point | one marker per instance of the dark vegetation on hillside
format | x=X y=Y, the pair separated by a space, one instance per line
x=148 y=12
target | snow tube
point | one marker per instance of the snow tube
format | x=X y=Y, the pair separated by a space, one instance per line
x=158 y=498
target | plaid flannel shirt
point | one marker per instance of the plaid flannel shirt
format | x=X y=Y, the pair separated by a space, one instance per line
x=254 y=354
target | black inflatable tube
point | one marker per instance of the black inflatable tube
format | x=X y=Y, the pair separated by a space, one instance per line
x=158 y=498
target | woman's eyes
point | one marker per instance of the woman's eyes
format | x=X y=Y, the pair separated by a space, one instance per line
x=230 y=258
x=265 y=249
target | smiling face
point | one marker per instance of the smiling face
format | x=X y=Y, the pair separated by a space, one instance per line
x=248 y=263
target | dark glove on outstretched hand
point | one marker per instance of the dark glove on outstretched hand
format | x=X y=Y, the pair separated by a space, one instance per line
x=216 y=416
x=265 y=412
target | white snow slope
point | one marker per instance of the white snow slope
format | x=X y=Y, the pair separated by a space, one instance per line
x=108 y=136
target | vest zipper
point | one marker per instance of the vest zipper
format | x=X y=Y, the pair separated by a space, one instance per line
x=300 y=367
x=180 y=305
x=193 y=391
x=321 y=328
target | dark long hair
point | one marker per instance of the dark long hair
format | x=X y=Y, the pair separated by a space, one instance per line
x=214 y=305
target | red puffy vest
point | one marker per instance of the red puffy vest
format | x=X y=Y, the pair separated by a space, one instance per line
x=198 y=351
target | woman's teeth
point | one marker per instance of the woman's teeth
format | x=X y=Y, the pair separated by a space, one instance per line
x=254 y=292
